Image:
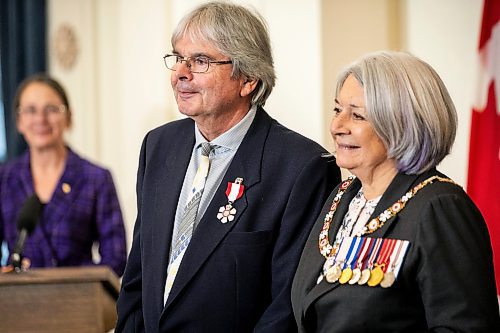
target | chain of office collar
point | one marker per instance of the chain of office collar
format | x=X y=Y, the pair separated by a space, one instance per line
x=327 y=249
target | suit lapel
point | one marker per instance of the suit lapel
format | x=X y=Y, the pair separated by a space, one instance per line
x=398 y=187
x=56 y=209
x=169 y=171
x=55 y=212
x=21 y=186
x=25 y=176
x=342 y=208
x=171 y=174
x=210 y=231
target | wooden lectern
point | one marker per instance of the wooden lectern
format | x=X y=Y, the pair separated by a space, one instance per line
x=63 y=299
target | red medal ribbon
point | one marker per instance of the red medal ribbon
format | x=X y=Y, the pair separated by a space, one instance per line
x=385 y=252
x=364 y=252
x=395 y=258
x=374 y=253
x=234 y=191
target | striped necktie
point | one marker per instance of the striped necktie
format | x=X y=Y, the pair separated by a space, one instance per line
x=188 y=220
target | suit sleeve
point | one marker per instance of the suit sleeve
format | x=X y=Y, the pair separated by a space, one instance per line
x=309 y=192
x=129 y=304
x=455 y=277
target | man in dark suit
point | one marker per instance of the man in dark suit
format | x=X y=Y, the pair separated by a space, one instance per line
x=227 y=264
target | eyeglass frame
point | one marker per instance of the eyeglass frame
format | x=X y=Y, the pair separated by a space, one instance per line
x=188 y=61
x=46 y=110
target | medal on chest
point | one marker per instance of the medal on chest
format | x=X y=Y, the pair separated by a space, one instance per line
x=365 y=265
x=365 y=250
x=234 y=191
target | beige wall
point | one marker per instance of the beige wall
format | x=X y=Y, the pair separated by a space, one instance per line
x=350 y=29
x=445 y=33
x=119 y=88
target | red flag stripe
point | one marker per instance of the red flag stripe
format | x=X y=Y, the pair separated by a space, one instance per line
x=484 y=154
x=491 y=15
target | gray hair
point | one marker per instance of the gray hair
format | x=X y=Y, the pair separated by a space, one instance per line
x=408 y=106
x=239 y=34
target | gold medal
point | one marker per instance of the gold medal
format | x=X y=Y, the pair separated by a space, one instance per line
x=333 y=273
x=345 y=276
x=356 y=275
x=376 y=276
x=388 y=280
x=365 y=276
x=326 y=249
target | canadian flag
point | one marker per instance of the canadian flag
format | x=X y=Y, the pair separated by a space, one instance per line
x=483 y=183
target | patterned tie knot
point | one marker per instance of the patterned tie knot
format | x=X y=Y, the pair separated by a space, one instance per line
x=206 y=148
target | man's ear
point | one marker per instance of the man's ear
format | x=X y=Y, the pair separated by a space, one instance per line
x=248 y=86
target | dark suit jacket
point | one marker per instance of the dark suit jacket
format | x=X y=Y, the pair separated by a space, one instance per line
x=446 y=282
x=234 y=277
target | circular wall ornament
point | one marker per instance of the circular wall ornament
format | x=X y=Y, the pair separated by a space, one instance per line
x=66 y=46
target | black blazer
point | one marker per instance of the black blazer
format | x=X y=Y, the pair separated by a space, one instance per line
x=446 y=282
x=234 y=277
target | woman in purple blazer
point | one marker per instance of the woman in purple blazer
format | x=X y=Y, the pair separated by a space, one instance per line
x=79 y=202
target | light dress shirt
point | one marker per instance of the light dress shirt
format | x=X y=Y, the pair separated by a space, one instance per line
x=357 y=216
x=225 y=147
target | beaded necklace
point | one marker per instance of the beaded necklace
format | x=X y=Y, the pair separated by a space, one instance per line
x=328 y=250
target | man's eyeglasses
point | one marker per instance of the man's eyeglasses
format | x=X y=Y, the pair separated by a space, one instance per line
x=199 y=64
x=47 y=110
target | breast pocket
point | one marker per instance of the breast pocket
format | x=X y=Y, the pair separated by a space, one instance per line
x=251 y=255
x=251 y=252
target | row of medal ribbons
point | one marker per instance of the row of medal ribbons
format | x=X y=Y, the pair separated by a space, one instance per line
x=365 y=261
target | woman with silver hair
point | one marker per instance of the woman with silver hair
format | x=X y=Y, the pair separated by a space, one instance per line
x=399 y=246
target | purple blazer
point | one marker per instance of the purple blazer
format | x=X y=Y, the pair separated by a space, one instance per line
x=84 y=209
